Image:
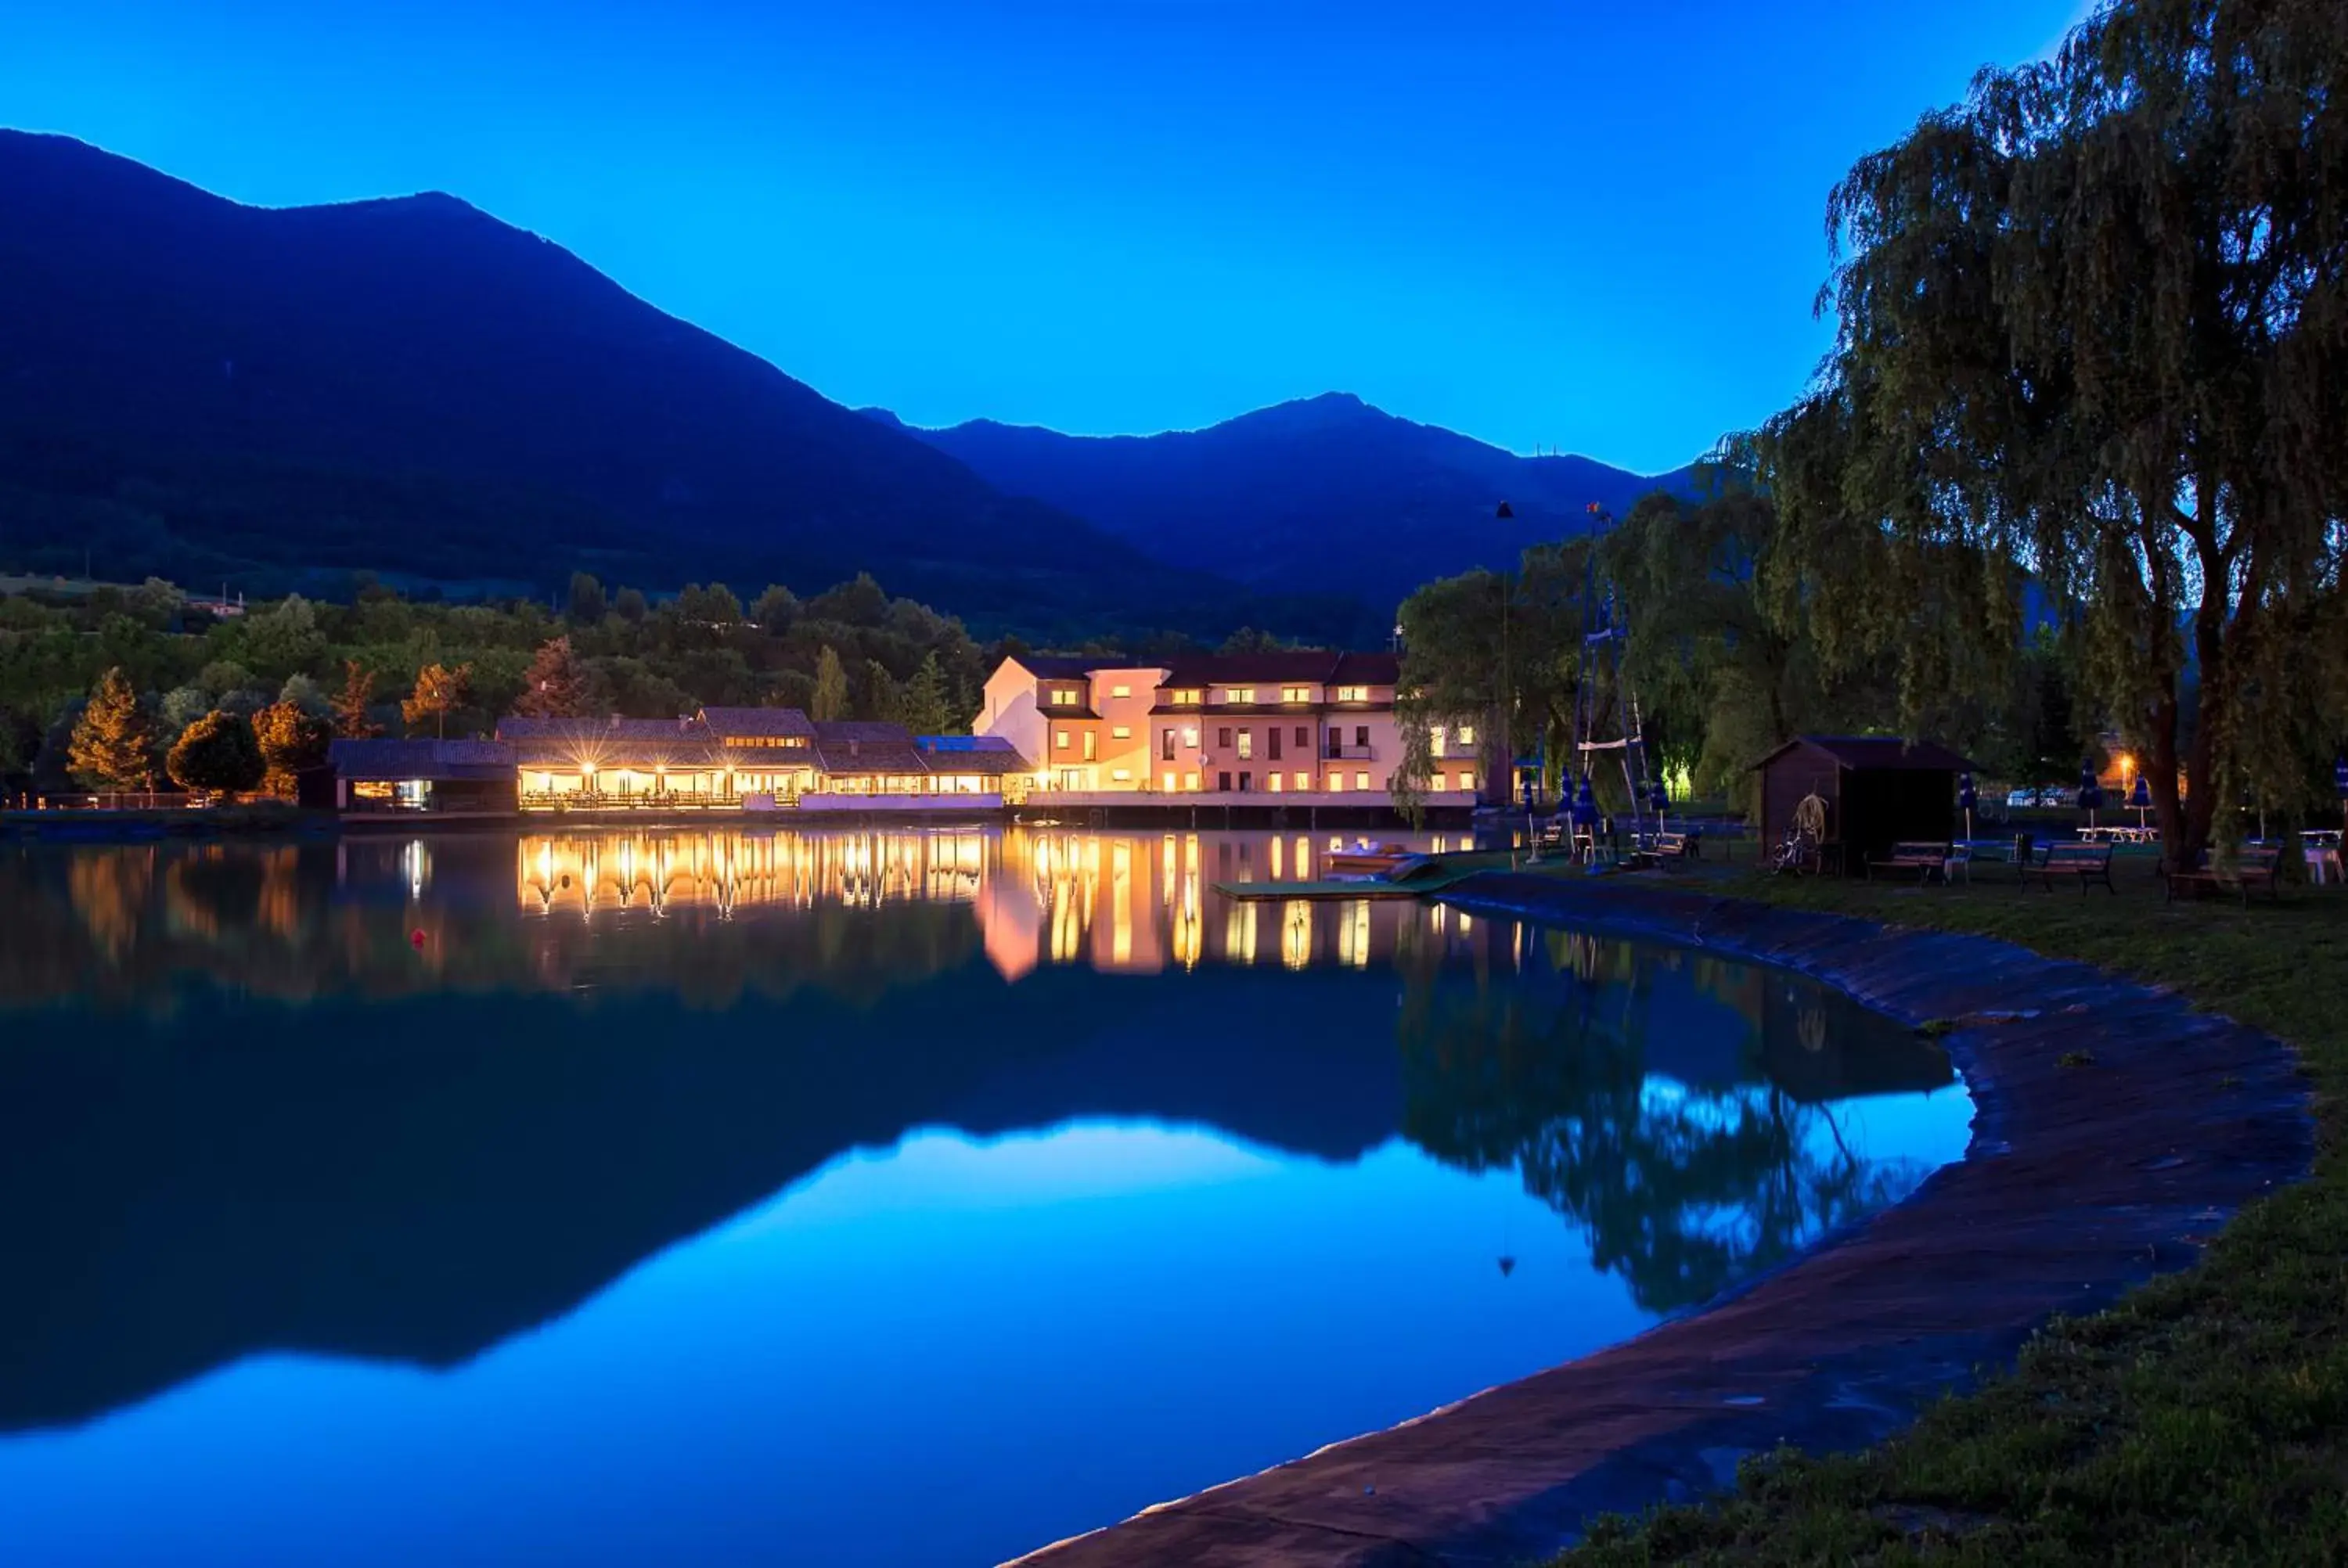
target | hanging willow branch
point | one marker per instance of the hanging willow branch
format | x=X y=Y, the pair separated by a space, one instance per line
x=2094 y=327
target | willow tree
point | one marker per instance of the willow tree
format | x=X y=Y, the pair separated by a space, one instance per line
x=2093 y=325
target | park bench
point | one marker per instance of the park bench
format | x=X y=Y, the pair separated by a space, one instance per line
x=2085 y=862
x=2253 y=867
x=1927 y=860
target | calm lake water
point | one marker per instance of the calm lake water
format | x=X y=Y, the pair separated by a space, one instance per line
x=862 y=1198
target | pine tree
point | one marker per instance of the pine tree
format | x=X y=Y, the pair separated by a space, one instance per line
x=830 y=687
x=884 y=700
x=113 y=745
x=439 y=691
x=351 y=721
x=292 y=738
x=555 y=686
x=219 y=754
x=926 y=707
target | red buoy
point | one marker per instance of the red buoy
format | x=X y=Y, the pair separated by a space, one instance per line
x=416 y=938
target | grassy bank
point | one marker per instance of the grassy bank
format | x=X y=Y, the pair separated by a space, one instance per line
x=2205 y=1419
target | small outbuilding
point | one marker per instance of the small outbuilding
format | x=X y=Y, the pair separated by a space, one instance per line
x=369 y=779
x=1878 y=790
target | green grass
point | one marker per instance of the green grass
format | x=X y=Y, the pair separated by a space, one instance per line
x=2202 y=1420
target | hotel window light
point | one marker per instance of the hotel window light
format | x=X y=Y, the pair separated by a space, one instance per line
x=1435 y=737
x=1166 y=781
x=1305 y=781
x=1060 y=740
x=1120 y=731
x=1467 y=734
x=1296 y=693
x=1353 y=693
x=1120 y=776
x=1238 y=694
x=1120 y=690
x=1361 y=781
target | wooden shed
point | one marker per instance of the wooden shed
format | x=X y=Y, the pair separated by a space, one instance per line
x=1878 y=789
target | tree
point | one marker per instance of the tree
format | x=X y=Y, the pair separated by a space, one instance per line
x=630 y=607
x=218 y=755
x=883 y=699
x=439 y=691
x=113 y=745
x=283 y=640
x=556 y=684
x=775 y=610
x=830 y=687
x=351 y=704
x=586 y=603
x=305 y=694
x=2093 y=325
x=925 y=706
x=292 y=738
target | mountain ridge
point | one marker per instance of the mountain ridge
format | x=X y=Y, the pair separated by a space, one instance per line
x=1329 y=490
x=202 y=389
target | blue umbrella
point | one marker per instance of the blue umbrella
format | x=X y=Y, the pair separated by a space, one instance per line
x=2139 y=799
x=1585 y=805
x=2091 y=794
x=1659 y=798
x=1967 y=798
x=2340 y=777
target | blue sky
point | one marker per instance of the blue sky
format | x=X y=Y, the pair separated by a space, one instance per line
x=1596 y=226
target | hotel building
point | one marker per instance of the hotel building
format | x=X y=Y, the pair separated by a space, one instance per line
x=1284 y=723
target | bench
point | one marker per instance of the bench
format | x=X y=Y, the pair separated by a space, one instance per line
x=1927 y=860
x=2251 y=869
x=2087 y=862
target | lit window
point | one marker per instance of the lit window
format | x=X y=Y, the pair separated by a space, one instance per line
x=1120 y=690
x=1337 y=782
x=1166 y=781
x=1190 y=736
x=1064 y=699
x=1092 y=745
x=1467 y=735
x=1120 y=776
x=1247 y=744
x=1271 y=783
x=1060 y=740
x=1191 y=781
x=1361 y=781
x=1353 y=693
x=1467 y=781
x=1434 y=738
x=1296 y=693
x=1305 y=781
x=1184 y=697
x=1120 y=731
x=1238 y=694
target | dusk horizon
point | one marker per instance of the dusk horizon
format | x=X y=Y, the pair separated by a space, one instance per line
x=1185 y=214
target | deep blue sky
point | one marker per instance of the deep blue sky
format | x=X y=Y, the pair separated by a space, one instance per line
x=1594 y=224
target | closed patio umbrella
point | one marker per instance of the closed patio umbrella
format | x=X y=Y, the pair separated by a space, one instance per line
x=2339 y=785
x=2140 y=799
x=2091 y=794
x=1967 y=798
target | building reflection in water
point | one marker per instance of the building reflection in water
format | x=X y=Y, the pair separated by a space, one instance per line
x=1116 y=902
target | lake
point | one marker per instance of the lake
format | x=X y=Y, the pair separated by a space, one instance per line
x=889 y=1198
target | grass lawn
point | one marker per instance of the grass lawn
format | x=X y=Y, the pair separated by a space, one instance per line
x=2205 y=1418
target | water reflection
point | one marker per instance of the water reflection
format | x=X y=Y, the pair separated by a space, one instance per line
x=401 y=1100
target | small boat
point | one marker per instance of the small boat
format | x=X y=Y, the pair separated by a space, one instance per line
x=1364 y=860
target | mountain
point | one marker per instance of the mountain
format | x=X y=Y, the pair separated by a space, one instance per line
x=1327 y=494
x=202 y=390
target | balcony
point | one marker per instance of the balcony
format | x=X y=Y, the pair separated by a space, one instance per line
x=1349 y=753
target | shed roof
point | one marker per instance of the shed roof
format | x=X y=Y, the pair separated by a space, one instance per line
x=972 y=754
x=392 y=761
x=1877 y=753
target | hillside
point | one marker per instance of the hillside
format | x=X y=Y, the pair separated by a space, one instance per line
x=1327 y=493
x=205 y=391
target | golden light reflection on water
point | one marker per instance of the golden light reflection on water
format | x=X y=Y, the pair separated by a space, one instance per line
x=1131 y=902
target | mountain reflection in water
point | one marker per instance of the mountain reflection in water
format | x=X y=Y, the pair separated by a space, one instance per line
x=404 y=1098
